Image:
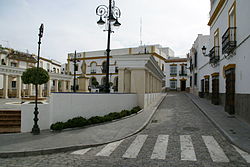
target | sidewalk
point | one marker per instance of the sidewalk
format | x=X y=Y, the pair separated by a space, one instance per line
x=237 y=131
x=25 y=144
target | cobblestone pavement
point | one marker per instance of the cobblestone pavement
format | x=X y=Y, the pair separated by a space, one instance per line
x=178 y=135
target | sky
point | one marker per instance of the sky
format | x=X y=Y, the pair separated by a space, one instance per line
x=70 y=25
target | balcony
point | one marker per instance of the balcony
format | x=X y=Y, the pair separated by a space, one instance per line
x=182 y=73
x=214 y=55
x=229 y=40
x=173 y=74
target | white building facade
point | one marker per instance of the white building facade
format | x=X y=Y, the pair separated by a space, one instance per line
x=176 y=74
x=95 y=63
x=224 y=76
x=14 y=63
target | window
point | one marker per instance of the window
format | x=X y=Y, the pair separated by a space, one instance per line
x=48 y=67
x=3 y=63
x=191 y=80
x=104 y=67
x=13 y=84
x=173 y=84
x=173 y=70
x=76 y=67
x=195 y=79
x=162 y=67
x=93 y=68
x=13 y=64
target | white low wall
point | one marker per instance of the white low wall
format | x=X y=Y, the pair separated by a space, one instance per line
x=27 y=116
x=150 y=97
x=64 y=106
x=68 y=105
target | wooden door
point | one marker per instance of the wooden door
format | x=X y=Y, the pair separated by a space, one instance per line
x=183 y=85
x=215 y=90
x=202 y=88
x=230 y=91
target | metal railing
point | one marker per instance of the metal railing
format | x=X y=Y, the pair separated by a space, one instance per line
x=229 y=40
x=182 y=73
x=214 y=55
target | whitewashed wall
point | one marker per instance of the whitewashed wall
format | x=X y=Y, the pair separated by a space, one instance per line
x=64 y=106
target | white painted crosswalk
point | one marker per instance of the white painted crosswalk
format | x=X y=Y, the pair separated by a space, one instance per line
x=160 y=149
x=108 y=149
x=135 y=147
x=187 y=148
x=216 y=152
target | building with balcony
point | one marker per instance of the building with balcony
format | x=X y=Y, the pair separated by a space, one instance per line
x=176 y=74
x=14 y=63
x=92 y=65
x=223 y=75
x=197 y=65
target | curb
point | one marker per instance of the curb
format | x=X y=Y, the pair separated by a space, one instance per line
x=224 y=133
x=76 y=147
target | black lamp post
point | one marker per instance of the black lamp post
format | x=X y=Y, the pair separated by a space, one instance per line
x=74 y=82
x=109 y=16
x=36 y=129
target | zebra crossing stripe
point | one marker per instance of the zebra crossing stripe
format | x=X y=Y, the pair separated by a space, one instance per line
x=187 y=148
x=160 y=147
x=81 y=152
x=135 y=147
x=108 y=149
x=244 y=154
x=214 y=149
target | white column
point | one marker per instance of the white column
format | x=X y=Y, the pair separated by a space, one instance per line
x=18 y=87
x=63 y=86
x=5 y=86
x=48 y=88
x=56 y=85
x=40 y=90
x=121 y=86
x=30 y=90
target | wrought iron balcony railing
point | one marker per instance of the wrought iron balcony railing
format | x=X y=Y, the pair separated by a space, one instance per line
x=214 y=55
x=229 y=40
x=182 y=73
x=173 y=74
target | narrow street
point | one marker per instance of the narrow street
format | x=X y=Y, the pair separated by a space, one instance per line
x=178 y=135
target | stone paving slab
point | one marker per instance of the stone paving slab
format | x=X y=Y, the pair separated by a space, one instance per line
x=236 y=130
x=24 y=144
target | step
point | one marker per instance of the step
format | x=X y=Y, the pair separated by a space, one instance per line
x=10 y=130
x=10 y=123
x=10 y=118
x=10 y=112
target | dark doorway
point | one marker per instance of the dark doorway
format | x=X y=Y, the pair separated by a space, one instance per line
x=206 y=86
x=202 y=89
x=230 y=91
x=215 y=89
x=183 y=85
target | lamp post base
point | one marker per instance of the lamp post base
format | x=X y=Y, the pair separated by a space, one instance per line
x=35 y=130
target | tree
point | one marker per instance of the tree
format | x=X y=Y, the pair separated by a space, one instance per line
x=35 y=76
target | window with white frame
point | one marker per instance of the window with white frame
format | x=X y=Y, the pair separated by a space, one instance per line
x=93 y=67
x=173 y=84
x=173 y=70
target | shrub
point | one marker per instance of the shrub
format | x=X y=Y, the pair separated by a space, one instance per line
x=124 y=113
x=80 y=121
x=96 y=120
x=76 y=122
x=57 y=126
x=114 y=115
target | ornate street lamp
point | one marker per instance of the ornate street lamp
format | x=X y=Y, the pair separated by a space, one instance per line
x=109 y=16
x=204 y=50
x=36 y=129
